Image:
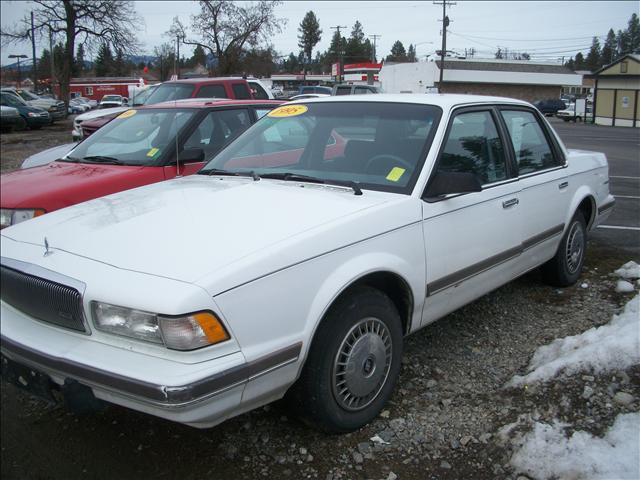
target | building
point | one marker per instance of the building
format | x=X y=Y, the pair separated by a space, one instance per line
x=616 y=93
x=525 y=80
x=97 y=87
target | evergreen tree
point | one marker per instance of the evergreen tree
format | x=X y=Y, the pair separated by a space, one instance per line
x=58 y=58
x=633 y=34
x=398 y=53
x=570 y=64
x=608 y=53
x=78 y=63
x=119 y=65
x=593 y=57
x=104 y=61
x=578 y=62
x=44 y=65
x=199 y=57
x=411 y=53
x=336 y=48
x=310 y=34
x=355 y=49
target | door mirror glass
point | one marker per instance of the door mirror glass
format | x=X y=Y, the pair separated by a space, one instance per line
x=448 y=183
x=191 y=155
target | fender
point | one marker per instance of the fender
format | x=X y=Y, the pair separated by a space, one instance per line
x=584 y=191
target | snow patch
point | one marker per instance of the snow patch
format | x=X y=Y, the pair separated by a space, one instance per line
x=545 y=452
x=624 y=287
x=629 y=270
x=614 y=346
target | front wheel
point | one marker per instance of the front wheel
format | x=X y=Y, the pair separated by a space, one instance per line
x=565 y=267
x=353 y=363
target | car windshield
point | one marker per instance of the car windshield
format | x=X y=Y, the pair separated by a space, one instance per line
x=135 y=137
x=27 y=95
x=380 y=146
x=110 y=98
x=141 y=97
x=170 y=91
x=12 y=100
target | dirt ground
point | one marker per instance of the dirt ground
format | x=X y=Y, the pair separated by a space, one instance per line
x=16 y=146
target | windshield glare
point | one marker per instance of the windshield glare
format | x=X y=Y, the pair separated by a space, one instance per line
x=382 y=146
x=170 y=91
x=140 y=138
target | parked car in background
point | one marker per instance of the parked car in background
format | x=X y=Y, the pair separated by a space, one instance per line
x=106 y=114
x=576 y=112
x=259 y=90
x=136 y=148
x=219 y=87
x=308 y=95
x=110 y=101
x=10 y=119
x=287 y=268
x=550 y=106
x=89 y=101
x=314 y=89
x=56 y=108
x=76 y=106
x=348 y=89
x=34 y=117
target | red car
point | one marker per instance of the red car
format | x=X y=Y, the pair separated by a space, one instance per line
x=136 y=148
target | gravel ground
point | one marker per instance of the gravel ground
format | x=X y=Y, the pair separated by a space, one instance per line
x=443 y=420
x=16 y=146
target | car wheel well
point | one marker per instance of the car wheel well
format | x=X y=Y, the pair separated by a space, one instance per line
x=587 y=208
x=393 y=286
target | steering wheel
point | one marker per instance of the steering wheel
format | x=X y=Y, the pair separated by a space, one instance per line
x=394 y=159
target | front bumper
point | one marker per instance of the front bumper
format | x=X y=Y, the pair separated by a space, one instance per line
x=198 y=394
x=38 y=121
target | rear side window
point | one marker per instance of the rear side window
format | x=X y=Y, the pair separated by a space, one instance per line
x=343 y=91
x=533 y=152
x=474 y=146
x=361 y=90
x=259 y=92
x=240 y=91
x=212 y=91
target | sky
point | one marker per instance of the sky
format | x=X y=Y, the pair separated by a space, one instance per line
x=546 y=30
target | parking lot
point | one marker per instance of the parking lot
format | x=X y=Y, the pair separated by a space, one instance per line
x=444 y=417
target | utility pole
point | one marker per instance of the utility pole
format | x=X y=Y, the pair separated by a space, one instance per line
x=178 y=57
x=445 y=24
x=341 y=52
x=375 y=37
x=33 y=53
x=53 y=68
x=18 y=57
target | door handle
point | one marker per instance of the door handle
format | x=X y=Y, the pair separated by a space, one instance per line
x=563 y=185
x=510 y=203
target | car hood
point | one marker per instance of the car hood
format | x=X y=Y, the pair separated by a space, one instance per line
x=50 y=186
x=230 y=229
x=99 y=113
x=48 y=155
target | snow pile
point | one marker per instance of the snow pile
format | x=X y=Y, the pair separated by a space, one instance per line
x=624 y=287
x=614 y=346
x=629 y=270
x=546 y=452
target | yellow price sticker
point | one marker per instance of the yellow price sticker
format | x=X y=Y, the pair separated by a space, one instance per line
x=287 y=111
x=127 y=114
x=153 y=152
x=395 y=174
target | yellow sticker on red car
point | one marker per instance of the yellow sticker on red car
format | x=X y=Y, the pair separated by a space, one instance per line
x=152 y=152
x=395 y=174
x=287 y=111
x=127 y=114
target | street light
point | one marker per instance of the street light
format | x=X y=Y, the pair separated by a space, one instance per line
x=18 y=57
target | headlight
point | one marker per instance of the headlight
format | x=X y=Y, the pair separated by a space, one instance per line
x=33 y=114
x=183 y=332
x=10 y=216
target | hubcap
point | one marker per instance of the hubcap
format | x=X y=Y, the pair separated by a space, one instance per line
x=575 y=248
x=362 y=364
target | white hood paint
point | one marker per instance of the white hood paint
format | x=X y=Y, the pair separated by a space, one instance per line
x=227 y=229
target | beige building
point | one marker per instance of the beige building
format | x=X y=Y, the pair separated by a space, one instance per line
x=616 y=101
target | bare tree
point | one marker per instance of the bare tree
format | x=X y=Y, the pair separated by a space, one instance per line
x=79 y=21
x=226 y=29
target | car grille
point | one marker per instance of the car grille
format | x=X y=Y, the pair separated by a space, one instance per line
x=42 y=299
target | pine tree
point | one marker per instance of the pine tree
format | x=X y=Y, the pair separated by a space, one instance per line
x=310 y=34
x=593 y=57
x=411 y=53
x=608 y=53
x=355 y=50
x=633 y=34
x=44 y=65
x=199 y=57
x=119 y=65
x=398 y=53
x=104 y=61
x=78 y=63
x=578 y=61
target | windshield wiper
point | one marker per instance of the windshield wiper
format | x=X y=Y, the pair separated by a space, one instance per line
x=306 y=178
x=102 y=159
x=69 y=159
x=219 y=171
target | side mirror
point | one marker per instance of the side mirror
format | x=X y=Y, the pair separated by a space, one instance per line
x=447 y=183
x=191 y=155
x=125 y=100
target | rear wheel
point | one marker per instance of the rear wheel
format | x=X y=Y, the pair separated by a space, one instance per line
x=565 y=267
x=353 y=363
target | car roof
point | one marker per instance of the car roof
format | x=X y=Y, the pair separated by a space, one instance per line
x=209 y=102
x=444 y=100
x=205 y=80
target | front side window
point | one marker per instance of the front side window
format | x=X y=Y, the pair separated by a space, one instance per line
x=170 y=91
x=343 y=91
x=259 y=92
x=240 y=91
x=474 y=146
x=217 y=129
x=212 y=91
x=136 y=137
x=381 y=146
x=533 y=152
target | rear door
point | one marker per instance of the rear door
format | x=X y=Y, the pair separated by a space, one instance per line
x=472 y=241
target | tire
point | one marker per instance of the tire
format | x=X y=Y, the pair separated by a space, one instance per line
x=35 y=127
x=363 y=328
x=565 y=267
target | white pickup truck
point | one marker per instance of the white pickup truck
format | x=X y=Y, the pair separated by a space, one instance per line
x=297 y=260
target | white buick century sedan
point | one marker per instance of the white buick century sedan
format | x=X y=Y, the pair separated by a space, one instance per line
x=298 y=259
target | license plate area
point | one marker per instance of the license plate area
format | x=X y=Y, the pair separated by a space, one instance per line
x=28 y=379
